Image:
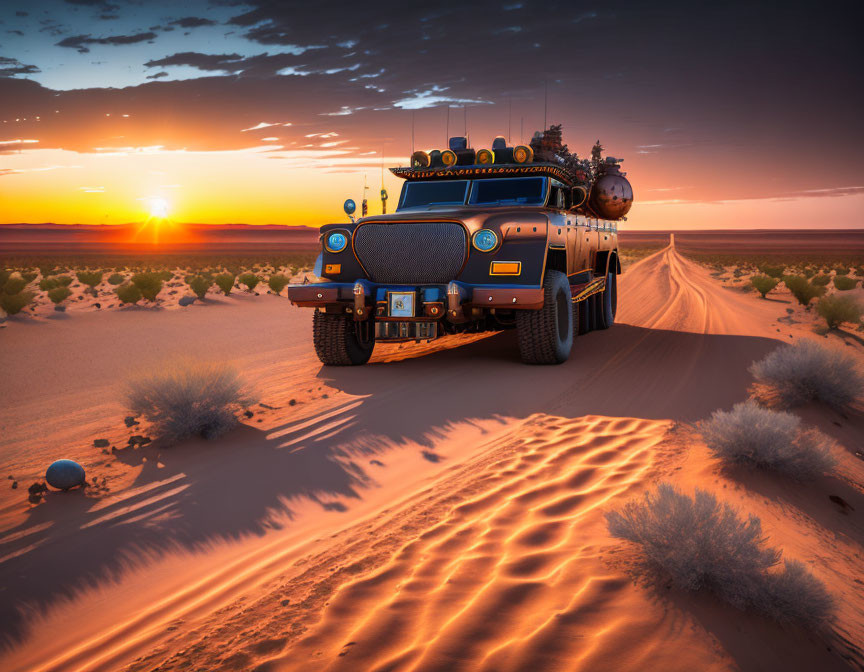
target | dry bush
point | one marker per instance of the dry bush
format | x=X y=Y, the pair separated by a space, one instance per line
x=115 y=279
x=764 y=283
x=189 y=399
x=821 y=280
x=89 y=278
x=15 y=303
x=773 y=271
x=200 y=284
x=59 y=294
x=802 y=290
x=759 y=438
x=277 y=283
x=703 y=545
x=128 y=293
x=63 y=280
x=225 y=282
x=845 y=283
x=47 y=284
x=809 y=371
x=14 y=285
x=149 y=284
x=839 y=309
x=250 y=280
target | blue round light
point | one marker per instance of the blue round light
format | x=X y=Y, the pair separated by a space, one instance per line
x=349 y=206
x=485 y=240
x=336 y=242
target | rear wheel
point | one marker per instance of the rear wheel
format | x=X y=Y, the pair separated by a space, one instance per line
x=608 y=302
x=336 y=340
x=546 y=335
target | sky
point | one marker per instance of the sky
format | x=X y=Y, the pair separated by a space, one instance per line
x=730 y=115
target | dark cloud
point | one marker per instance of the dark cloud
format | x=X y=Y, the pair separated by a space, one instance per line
x=200 y=61
x=79 y=42
x=193 y=22
x=9 y=67
x=19 y=13
x=158 y=75
x=15 y=32
x=101 y=4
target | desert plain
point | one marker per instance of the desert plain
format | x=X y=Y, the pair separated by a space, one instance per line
x=442 y=508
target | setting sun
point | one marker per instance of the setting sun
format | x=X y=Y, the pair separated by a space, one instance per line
x=158 y=208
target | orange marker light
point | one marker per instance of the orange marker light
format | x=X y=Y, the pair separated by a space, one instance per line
x=505 y=268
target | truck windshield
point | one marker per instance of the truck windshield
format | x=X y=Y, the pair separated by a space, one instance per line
x=427 y=194
x=509 y=191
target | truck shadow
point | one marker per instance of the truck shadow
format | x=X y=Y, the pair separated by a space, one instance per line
x=193 y=496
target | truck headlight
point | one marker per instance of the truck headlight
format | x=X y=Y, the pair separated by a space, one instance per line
x=485 y=240
x=336 y=242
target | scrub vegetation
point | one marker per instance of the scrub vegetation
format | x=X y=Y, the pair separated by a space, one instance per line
x=703 y=544
x=759 y=438
x=189 y=399
x=808 y=371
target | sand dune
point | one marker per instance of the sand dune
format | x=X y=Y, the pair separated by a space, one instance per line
x=439 y=509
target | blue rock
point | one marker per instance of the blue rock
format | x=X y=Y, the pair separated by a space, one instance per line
x=65 y=474
x=186 y=301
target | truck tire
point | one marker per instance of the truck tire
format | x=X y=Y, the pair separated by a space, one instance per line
x=608 y=302
x=583 y=312
x=546 y=335
x=336 y=342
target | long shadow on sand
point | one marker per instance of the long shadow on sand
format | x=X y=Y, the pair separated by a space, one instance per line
x=229 y=488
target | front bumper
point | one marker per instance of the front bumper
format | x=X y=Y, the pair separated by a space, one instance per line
x=364 y=299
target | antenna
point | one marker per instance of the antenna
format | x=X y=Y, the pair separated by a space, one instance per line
x=447 y=127
x=467 y=137
x=545 y=101
x=464 y=120
x=412 y=132
x=509 y=120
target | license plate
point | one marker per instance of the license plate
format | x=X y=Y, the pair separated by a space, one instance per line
x=401 y=304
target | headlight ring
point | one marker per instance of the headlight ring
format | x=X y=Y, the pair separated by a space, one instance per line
x=336 y=241
x=485 y=240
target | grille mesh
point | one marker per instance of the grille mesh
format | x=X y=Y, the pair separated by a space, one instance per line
x=411 y=253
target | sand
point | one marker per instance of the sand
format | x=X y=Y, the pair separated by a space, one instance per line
x=439 y=509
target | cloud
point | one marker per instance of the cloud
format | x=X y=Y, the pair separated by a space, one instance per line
x=192 y=22
x=158 y=75
x=9 y=67
x=201 y=61
x=101 y=4
x=79 y=42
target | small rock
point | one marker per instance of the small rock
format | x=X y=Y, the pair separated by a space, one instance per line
x=130 y=421
x=293 y=402
x=285 y=603
x=186 y=300
x=60 y=308
x=248 y=413
x=105 y=451
x=101 y=443
x=37 y=489
x=14 y=485
x=138 y=440
x=97 y=305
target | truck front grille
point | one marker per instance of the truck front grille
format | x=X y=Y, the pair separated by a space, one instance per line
x=411 y=253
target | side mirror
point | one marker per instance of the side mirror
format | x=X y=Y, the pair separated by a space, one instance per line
x=349 y=206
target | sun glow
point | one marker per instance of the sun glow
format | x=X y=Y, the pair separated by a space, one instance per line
x=159 y=208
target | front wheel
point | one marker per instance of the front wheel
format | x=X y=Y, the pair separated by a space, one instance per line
x=546 y=335
x=608 y=302
x=336 y=340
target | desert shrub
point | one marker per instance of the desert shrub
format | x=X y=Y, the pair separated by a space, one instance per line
x=250 y=280
x=703 y=545
x=821 y=280
x=277 y=283
x=841 y=269
x=225 y=281
x=773 y=271
x=845 y=283
x=809 y=371
x=89 y=278
x=29 y=276
x=47 y=284
x=59 y=294
x=4 y=277
x=839 y=309
x=63 y=280
x=148 y=283
x=14 y=285
x=15 y=303
x=200 y=284
x=764 y=283
x=115 y=279
x=189 y=400
x=802 y=290
x=808 y=272
x=759 y=438
x=128 y=293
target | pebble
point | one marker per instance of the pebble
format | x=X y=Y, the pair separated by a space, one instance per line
x=101 y=443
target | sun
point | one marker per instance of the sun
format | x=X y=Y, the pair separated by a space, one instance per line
x=159 y=208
